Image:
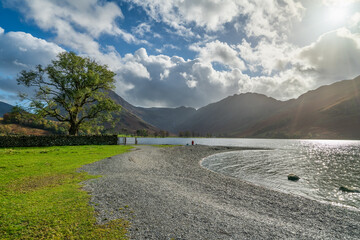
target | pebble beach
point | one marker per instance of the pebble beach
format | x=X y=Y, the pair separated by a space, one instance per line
x=166 y=194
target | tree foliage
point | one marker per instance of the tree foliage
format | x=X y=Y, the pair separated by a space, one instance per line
x=71 y=89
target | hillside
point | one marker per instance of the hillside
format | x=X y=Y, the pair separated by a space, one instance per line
x=17 y=129
x=157 y=118
x=128 y=122
x=232 y=115
x=4 y=108
x=331 y=111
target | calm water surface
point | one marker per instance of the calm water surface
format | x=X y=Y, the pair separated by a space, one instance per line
x=323 y=165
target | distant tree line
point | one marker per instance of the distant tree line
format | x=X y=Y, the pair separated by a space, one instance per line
x=188 y=134
x=145 y=133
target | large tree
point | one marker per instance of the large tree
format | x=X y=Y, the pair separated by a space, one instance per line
x=71 y=89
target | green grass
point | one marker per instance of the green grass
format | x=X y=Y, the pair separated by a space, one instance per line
x=41 y=198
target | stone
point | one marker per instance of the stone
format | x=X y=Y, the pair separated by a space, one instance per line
x=349 y=189
x=293 y=177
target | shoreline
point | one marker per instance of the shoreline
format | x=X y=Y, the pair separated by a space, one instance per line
x=281 y=190
x=166 y=193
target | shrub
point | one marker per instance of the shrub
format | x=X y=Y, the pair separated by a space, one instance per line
x=46 y=141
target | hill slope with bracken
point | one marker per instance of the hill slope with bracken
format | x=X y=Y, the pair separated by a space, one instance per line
x=331 y=111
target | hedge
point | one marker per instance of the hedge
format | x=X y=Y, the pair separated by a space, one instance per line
x=59 y=140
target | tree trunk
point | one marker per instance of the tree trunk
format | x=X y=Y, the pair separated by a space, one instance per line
x=74 y=129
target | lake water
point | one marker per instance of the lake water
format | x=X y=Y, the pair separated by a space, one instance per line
x=322 y=165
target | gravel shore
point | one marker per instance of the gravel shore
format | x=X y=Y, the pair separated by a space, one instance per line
x=166 y=194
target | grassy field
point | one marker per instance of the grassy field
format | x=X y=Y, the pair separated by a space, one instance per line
x=41 y=198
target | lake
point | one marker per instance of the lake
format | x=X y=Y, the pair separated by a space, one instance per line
x=322 y=165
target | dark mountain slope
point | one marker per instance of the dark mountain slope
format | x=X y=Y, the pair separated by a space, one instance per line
x=232 y=115
x=331 y=111
x=129 y=121
x=166 y=118
x=4 y=108
x=162 y=118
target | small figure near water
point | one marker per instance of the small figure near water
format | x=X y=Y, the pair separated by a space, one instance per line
x=192 y=142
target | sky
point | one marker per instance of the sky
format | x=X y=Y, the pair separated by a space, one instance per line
x=171 y=53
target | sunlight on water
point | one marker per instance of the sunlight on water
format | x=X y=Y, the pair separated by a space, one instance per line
x=323 y=166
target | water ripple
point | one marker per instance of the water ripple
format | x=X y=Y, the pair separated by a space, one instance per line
x=323 y=167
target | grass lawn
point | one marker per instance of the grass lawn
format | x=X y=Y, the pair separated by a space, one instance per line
x=41 y=198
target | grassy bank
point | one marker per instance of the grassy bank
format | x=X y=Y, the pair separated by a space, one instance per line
x=40 y=195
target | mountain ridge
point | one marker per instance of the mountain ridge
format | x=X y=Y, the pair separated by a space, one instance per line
x=330 y=111
x=4 y=108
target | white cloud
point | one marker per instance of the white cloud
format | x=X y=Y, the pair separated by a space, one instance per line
x=267 y=18
x=272 y=19
x=283 y=86
x=1 y=30
x=19 y=51
x=167 y=46
x=209 y=14
x=76 y=23
x=141 y=29
x=334 y=56
x=354 y=21
x=173 y=81
x=266 y=56
x=338 y=2
x=219 y=52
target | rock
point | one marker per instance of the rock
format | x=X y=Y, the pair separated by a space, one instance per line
x=293 y=177
x=349 y=189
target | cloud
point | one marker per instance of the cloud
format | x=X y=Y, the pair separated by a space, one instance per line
x=141 y=29
x=21 y=51
x=267 y=57
x=334 y=56
x=167 y=46
x=209 y=14
x=76 y=23
x=219 y=52
x=282 y=86
x=338 y=2
x=265 y=18
x=160 y=80
x=272 y=19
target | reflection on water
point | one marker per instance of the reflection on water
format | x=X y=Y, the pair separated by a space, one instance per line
x=322 y=165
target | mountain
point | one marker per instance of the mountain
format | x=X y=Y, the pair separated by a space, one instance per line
x=129 y=122
x=331 y=111
x=162 y=118
x=232 y=115
x=166 y=118
x=4 y=108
